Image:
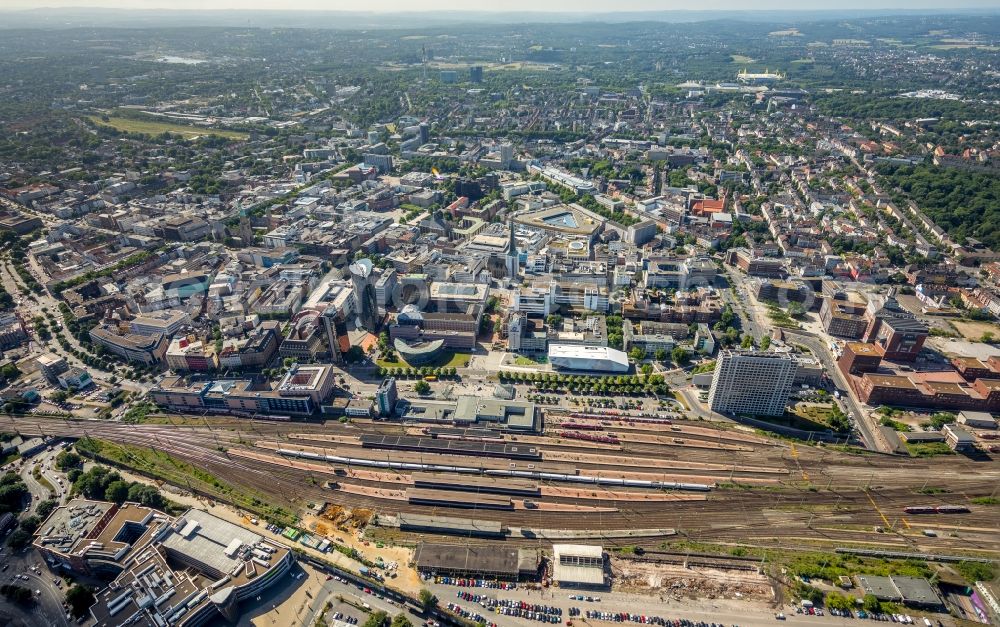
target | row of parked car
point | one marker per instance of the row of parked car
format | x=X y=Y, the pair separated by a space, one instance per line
x=510 y=607
x=462 y=582
x=470 y=614
x=903 y=619
x=628 y=617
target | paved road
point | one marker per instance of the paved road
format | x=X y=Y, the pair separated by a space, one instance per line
x=48 y=608
x=737 y=298
x=38 y=491
x=32 y=308
x=332 y=589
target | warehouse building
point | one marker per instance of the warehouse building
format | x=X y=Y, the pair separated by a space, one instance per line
x=913 y=591
x=958 y=438
x=578 y=565
x=977 y=420
x=462 y=560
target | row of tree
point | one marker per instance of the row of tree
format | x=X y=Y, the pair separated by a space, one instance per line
x=410 y=372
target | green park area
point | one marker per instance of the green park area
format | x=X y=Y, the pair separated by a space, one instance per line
x=151 y=127
x=811 y=417
x=449 y=359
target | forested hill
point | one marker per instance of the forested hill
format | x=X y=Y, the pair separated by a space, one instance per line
x=962 y=202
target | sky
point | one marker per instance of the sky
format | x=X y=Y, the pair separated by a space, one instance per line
x=595 y=6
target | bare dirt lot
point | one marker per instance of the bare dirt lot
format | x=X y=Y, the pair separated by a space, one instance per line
x=696 y=582
x=972 y=330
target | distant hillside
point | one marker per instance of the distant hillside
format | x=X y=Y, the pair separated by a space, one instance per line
x=352 y=20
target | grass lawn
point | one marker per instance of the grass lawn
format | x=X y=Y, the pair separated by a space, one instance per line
x=974 y=330
x=708 y=366
x=741 y=58
x=815 y=413
x=523 y=360
x=803 y=418
x=815 y=564
x=928 y=449
x=451 y=359
x=150 y=127
x=895 y=424
x=190 y=421
x=780 y=318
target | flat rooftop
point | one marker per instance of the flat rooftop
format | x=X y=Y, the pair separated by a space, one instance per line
x=188 y=563
x=911 y=590
x=561 y=218
x=448 y=523
x=66 y=526
x=203 y=538
x=435 y=557
x=861 y=348
x=883 y=380
x=148 y=578
x=460 y=291
x=578 y=564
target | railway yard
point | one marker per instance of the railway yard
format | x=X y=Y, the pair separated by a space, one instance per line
x=610 y=479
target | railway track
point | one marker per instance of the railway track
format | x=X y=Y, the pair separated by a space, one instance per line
x=786 y=513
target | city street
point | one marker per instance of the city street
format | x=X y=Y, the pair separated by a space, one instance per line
x=348 y=599
x=47 y=609
x=52 y=594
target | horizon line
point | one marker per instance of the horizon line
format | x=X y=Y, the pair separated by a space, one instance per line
x=895 y=9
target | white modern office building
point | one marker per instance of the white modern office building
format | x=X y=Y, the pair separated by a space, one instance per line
x=587 y=358
x=752 y=382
